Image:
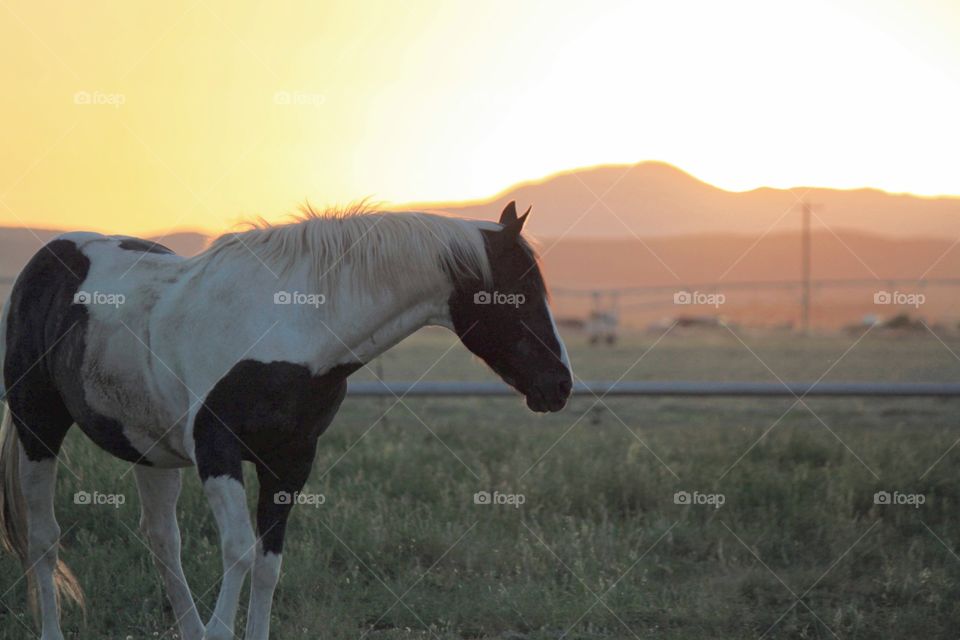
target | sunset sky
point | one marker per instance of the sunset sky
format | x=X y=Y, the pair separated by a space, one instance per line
x=145 y=117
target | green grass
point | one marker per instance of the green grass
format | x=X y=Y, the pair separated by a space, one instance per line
x=599 y=549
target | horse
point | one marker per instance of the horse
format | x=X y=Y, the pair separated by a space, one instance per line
x=240 y=354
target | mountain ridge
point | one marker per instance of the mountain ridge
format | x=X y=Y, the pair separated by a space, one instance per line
x=655 y=199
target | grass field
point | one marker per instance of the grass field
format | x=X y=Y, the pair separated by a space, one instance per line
x=599 y=548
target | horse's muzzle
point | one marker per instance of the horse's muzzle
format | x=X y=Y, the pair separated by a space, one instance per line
x=550 y=395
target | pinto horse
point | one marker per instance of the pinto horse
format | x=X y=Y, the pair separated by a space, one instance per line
x=240 y=353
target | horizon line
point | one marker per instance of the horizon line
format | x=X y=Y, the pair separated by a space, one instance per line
x=442 y=205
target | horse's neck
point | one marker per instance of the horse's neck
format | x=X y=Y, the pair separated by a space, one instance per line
x=381 y=329
x=355 y=323
x=367 y=323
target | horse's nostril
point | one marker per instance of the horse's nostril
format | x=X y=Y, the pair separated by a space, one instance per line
x=565 y=386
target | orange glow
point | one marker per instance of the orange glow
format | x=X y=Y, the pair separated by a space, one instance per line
x=146 y=117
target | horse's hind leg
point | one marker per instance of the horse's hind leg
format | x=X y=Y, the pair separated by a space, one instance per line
x=159 y=490
x=40 y=435
x=37 y=481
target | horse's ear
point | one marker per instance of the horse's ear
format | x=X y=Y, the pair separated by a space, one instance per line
x=512 y=225
x=509 y=213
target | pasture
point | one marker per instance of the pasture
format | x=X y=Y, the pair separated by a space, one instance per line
x=586 y=538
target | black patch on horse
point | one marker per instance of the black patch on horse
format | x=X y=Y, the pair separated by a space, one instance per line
x=270 y=414
x=136 y=244
x=495 y=331
x=45 y=346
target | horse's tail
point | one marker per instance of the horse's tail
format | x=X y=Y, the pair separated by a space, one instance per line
x=13 y=510
x=13 y=514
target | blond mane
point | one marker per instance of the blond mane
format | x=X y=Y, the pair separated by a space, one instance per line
x=382 y=248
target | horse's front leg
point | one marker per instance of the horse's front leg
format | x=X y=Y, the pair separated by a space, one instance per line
x=279 y=486
x=229 y=503
x=281 y=476
x=219 y=460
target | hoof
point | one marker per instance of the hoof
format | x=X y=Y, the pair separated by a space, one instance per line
x=216 y=630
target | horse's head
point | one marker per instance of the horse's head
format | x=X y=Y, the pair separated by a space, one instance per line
x=509 y=324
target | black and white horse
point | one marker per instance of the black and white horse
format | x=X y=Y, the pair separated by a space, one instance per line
x=240 y=354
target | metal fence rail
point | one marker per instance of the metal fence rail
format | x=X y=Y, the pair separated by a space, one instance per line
x=702 y=389
x=822 y=283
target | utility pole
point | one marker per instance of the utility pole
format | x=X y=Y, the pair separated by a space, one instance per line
x=806 y=209
x=805 y=270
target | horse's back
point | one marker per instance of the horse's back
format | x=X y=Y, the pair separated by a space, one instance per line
x=69 y=277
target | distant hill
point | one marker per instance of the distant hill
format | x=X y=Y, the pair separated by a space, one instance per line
x=681 y=262
x=186 y=243
x=656 y=199
x=17 y=245
x=685 y=262
x=652 y=224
